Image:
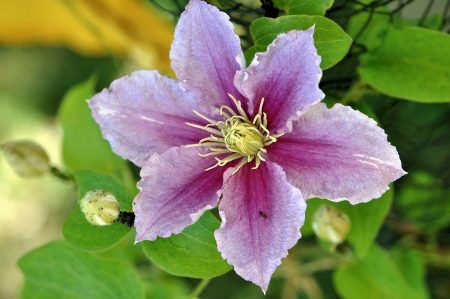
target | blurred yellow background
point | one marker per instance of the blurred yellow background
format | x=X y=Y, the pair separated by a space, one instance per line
x=32 y=35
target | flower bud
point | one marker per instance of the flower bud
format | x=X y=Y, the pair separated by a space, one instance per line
x=100 y=207
x=331 y=224
x=26 y=158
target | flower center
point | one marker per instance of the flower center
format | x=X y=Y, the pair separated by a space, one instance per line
x=236 y=137
x=243 y=138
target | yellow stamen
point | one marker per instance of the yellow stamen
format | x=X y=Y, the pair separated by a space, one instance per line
x=238 y=106
x=223 y=113
x=259 y=155
x=238 y=136
x=257 y=163
x=228 y=159
x=204 y=128
x=206 y=144
x=242 y=163
x=203 y=116
x=224 y=151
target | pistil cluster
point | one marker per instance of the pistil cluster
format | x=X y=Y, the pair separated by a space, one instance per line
x=236 y=137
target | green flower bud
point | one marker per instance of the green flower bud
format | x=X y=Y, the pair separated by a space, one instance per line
x=100 y=207
x=26 y=158
x=331 y=224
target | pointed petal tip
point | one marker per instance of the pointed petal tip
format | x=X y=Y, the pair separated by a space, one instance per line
x=349 y=158
x=278 y=221
x=142 y=235
x=138 y=239
x=296 y=90
x=152 y=236
x=264 y=289
x=311 y=29
x=195 y=216
x=206 y=49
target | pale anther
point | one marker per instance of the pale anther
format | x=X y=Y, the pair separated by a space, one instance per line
x=236 y=136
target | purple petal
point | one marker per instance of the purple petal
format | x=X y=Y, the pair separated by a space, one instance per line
x=337 y=153
x=261 y=218
x=175 y=191
x=287 y=76
x=145 y=113
x=207 y=53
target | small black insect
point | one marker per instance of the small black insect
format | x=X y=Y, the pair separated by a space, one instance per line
x=262 y=214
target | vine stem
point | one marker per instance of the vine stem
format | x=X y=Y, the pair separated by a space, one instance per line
x=200 y=287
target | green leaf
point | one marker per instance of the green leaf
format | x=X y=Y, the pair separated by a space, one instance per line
x=422 y=139
x=80 y=233
x=331 y=41
x=304 y=7
x=164 y=289
x=412 y=64
x=423 y=200
x=57 y=270
x=378 y=276
x=192 y=253
x=366 y=219
x=370 y=29
x=83 y=145
x=411 y=264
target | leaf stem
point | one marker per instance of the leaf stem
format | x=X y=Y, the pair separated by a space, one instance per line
x=200 y=287
x=60 y=174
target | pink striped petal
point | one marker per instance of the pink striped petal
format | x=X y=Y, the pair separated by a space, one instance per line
x=261 y=218
x=145 y=113
x=337 y=153
x=207 y=53
x=175 y=191
x=287 y=76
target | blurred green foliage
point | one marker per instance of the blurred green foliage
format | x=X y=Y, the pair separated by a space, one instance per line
x=38 y=77
x=382 y=275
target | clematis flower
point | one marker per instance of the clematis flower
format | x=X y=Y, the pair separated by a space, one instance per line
x=253 y=140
